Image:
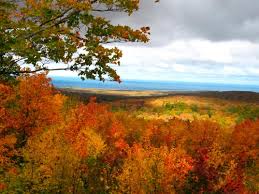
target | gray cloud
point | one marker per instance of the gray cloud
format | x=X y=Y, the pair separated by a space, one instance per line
x=214 y=20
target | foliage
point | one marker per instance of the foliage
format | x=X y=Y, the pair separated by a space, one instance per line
x=36 y=33
x=244 y=112
x=154 y=170
x=245 y=139
x=178 y=106
x=50 y=143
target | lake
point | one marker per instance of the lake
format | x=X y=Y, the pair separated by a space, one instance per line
x=75 y=82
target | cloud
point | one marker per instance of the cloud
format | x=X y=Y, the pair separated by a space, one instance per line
x=191 y=60
x=214 y=20
x=194 y=60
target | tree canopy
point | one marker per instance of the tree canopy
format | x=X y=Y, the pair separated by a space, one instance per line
x=35 y=33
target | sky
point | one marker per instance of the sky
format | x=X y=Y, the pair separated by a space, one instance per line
x=192 y=40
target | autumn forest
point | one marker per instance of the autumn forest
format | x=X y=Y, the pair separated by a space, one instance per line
x=51 y=143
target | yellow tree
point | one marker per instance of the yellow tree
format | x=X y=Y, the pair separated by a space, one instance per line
x=154 y=170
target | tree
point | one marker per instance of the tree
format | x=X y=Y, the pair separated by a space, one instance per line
x=28 y=107
x=39 y=32
x=39 y=105
x=26 y=110
x=154 y=170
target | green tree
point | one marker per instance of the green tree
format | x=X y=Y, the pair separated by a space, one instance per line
x=34 y=33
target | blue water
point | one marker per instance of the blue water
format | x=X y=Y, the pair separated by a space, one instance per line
x=74 y=82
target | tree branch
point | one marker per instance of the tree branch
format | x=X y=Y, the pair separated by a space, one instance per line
x=45 y=69
x=34 y=71
x=107 y=10
x=57 y=17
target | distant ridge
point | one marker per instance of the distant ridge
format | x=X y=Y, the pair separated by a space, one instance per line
x=111 y=95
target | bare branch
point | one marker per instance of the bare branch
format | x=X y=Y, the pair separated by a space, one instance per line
x=34 y=71
x=107 y=10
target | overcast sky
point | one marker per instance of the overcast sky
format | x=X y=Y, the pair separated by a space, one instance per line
x=193 y=40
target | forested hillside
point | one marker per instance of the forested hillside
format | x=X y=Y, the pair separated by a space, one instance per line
x=51 y=143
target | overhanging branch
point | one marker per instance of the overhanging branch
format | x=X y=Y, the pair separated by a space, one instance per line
x=34 y=71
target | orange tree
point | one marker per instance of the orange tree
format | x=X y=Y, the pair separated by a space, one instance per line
x=73 y=32
x=26 y=110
